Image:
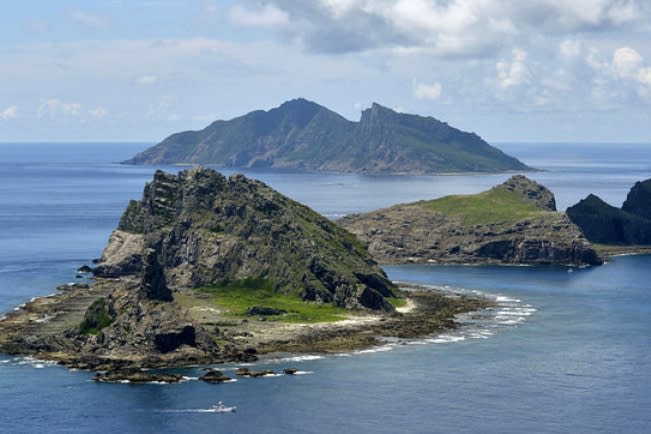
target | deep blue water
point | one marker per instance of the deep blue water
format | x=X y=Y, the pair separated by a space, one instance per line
x=564 y=352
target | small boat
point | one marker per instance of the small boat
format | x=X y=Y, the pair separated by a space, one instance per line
x=221 y=408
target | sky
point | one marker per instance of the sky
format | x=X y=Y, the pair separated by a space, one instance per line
x=508 y=70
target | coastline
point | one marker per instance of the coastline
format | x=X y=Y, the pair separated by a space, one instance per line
x=39 y=329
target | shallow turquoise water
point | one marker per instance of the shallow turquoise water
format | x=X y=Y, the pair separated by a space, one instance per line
x=565 y=351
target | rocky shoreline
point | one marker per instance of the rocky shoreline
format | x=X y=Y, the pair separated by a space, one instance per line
x=40 y=329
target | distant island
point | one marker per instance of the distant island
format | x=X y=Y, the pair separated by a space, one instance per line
x=513 y=223
x=303 y=135
x=206 y=269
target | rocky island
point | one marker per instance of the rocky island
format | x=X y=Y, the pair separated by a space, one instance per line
x=629 y=225
x=513 y=223
x=205 y=269
x=303 y=135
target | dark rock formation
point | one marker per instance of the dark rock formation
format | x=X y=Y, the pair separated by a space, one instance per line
x=290 y=371
x=136 y=376
x=170 y=340
x=154 y=286
x=638 y=200
x=215 y=377
x=206 y=229
x=606 y=224
x=265 y=311
x=419 y=232
x=306 y=136
x=246 y=372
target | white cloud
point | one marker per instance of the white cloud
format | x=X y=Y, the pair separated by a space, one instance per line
x=514 y=73
x=448 y=28
x=147 y=79
x=197 y=46
x=267 y=16
x=644 y=76
x=8 y=113
x=626 y=62
x=88 y=19
x=427 y=91
x=340 y=7
x=211 y=8
x=570 y=48
x=161 y=109
x=98 y=112
x=53 y=108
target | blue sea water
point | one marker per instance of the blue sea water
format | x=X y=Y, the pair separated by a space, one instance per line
x=564 y=351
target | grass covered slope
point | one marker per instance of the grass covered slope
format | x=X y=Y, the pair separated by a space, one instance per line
x=515 y=222
x=303 y=135
x=492 y=206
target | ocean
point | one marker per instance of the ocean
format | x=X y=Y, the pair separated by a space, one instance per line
x=566 y=351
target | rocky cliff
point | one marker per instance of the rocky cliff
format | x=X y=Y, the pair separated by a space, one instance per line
x=208 y=230
x=515 y=222
x=306 y=136
x=606 y=224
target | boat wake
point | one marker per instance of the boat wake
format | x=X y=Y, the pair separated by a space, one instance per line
x=220 y=407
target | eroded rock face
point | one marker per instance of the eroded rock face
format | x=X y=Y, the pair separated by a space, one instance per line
x=414 y=233
x=171 y=339
x=154 y=285
x=207 y=229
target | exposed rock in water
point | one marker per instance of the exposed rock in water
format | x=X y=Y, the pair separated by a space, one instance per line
x=303 y=135
x=135 y=376
x=210 y=230
x=515 y=222
x=215 y=377
x=606 y=224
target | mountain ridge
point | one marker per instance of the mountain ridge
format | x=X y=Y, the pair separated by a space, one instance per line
x=303 y=135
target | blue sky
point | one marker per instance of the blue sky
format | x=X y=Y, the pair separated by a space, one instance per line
x=509 y=70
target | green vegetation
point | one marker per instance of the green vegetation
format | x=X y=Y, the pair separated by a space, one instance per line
x=493 y=206
x=237 y=297
x=96 y=318
x=397 y=302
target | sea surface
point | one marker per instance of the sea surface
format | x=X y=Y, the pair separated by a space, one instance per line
x=566 y=351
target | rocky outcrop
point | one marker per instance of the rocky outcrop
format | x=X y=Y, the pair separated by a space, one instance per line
x=215 y=377
x=199 y=228
x=136 y=376
x=141 y=319
x=530 y=191
x=306 y=136
x=420 y=232
x=606 y=224
x=638 y=200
